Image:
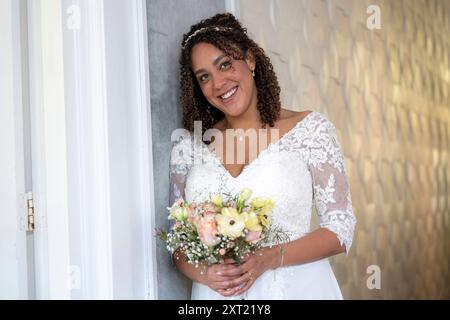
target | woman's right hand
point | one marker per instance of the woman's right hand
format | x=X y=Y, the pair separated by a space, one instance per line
x=214 y=278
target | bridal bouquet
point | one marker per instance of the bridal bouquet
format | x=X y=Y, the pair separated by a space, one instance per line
x=229 y=226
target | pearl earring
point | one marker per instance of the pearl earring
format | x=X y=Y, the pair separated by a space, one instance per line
x=253 y=72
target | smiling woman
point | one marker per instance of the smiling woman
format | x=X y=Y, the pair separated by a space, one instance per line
x=228 y=83
x=212 y=67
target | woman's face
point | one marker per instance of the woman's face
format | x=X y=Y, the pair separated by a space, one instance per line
x=226 y=83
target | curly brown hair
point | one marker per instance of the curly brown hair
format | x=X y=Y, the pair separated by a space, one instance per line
x=232 y=39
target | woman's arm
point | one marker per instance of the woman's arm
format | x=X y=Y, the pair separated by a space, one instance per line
x=319 y=244
x=196 y=274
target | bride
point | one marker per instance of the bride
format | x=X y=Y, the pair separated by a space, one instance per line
x=228 y=83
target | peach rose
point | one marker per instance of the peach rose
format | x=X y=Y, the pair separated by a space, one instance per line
x=178 y=202
x=193 y=218
x=209 y=208
x=207 y=230
x=253 y=236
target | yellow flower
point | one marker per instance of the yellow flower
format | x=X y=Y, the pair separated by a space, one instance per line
x=217 y=200
x=257 y=203
x=269 y=203
x=230 y=223
x=245 y=194
x=264 y=219
x=267 y=208
x=252 y=221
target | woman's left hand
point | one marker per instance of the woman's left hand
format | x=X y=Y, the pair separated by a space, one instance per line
x=253 y=266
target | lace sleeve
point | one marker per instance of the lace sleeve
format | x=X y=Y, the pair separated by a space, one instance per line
x=180 y=163
x=331 y=189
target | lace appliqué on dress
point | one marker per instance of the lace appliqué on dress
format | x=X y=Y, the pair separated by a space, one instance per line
x=315 y=141
x=331 y=189
x=181 y=160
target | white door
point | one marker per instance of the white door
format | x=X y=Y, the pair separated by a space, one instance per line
x=88 y=157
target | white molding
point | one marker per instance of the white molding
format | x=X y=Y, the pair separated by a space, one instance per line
x=91 y=211
x=95 y=106
x=97 y=219
x=144 y=136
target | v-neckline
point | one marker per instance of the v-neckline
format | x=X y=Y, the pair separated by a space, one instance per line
x=270 y=145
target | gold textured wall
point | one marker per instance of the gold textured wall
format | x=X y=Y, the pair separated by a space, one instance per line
x=388 y=93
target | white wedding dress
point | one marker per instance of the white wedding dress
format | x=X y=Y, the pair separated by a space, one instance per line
x=304 y=167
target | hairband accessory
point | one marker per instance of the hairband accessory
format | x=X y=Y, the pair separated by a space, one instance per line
x=205 y=29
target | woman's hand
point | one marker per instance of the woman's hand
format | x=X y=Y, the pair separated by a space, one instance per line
x=213 y=276
x=254 y=265
x=221 y=277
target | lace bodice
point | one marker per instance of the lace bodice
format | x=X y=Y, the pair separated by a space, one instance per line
x=305 y=167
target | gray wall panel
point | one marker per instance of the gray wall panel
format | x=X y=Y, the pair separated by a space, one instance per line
x=167 y=21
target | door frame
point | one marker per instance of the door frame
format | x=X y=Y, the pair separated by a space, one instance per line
x=72 y=107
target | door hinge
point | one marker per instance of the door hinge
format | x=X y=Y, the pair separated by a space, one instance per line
x=30 y=212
